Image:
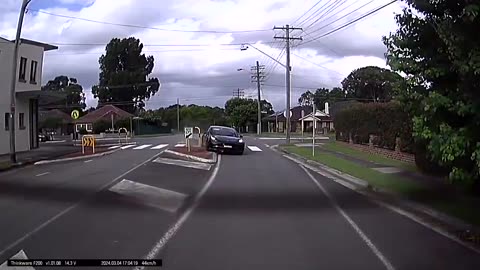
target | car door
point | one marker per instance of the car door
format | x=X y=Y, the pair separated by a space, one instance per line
x=206 y=137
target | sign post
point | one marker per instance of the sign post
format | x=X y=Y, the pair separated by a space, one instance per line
x=199 y=144
x=75 y=114
x=188 y=136
x=120 y=132
x=89 y=141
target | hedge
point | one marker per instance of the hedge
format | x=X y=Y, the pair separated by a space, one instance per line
x=386 y=121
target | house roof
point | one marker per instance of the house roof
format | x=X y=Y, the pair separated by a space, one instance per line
x=45 y=46
x=104 y=112
x=55 y=113
x=319 y=115
x=296 y=113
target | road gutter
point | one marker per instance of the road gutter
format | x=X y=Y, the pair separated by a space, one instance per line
x=391 y=201
x=75 y=158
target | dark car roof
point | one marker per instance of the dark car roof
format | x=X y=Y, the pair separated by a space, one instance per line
x=221 y=127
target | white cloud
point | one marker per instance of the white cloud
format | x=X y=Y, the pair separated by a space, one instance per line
x=206 y=75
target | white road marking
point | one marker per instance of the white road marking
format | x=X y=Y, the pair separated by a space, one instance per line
x=254 y=148
x=352 y=223
x=57 y=216
x=267 y=145
x=164 y=199
x=114 y=147
x=180 y=145
x=184 y=163
x=19 y=256
x=87 y=161
x=171 y=232
x=392 y=208
x=160 y=146
x=142 y=146
x=127 y=146
x=41 y=174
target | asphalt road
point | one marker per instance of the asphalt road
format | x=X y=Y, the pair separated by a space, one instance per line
x=255 y=211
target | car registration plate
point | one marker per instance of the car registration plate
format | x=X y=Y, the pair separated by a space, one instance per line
x=227 y=146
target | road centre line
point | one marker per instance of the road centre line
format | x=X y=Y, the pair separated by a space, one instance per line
x=352 y=223
x=173 y=229
x=57 y=216
x=42 y=174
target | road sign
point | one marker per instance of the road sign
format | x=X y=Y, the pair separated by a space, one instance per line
x=285 y=114
x=75 y=114
x=88 y=141
x=188 y=132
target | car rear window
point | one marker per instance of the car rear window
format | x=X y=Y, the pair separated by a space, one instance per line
x=224 y=132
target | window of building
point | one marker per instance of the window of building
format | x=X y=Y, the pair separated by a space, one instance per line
x=7 y=121
x=21 y=121
x=33 y=72
x=23 y=69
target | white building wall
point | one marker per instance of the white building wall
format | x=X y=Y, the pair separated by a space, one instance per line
x=30 y=52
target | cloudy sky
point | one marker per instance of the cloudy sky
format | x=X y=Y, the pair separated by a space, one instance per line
x=196 y=43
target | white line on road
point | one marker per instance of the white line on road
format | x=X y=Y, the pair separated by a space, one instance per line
x=180 y=145
x=267 y=145
x=114 y=147
x=184 y=163
x=42 y=174
x=163 y=199
x=142 y=146
x=254 y=148
x=352 y=223
x=87 y=161
x=19 y=256
x=160 y=146
x=127 y=146
x=171 y=232
x=57 y=216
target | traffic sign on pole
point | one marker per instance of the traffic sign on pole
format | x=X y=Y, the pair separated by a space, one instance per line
x=75 y=114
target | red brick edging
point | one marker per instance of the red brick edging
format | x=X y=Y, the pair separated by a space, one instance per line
x=405 y=157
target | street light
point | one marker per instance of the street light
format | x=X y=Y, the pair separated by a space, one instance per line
x=13 y=157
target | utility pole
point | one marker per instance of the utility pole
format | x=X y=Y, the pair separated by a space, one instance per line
x=238 y=93
x=314 y=128
x=13 y=81
x=178 y=115
x=287 y=39
x=258 y=78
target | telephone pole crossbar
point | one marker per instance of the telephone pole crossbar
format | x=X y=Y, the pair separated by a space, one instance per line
x=238 y=93
x=287 y=28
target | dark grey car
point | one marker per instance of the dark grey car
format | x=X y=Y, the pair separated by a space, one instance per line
x=225 y=139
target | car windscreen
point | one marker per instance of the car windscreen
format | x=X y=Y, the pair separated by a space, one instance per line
x=224 y=132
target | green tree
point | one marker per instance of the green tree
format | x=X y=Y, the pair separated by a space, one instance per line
x=372 y=84
x=51 y=123
x=124 y=72
x=322 y=95
x=439 y=51
x=306 y=98
x=241 y=111
x=74 y=96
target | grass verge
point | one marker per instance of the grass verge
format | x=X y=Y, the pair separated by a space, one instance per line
x=5 y=165
x=338 y=147
x=461 y=208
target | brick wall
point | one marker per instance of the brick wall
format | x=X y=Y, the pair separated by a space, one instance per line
x=405 y=157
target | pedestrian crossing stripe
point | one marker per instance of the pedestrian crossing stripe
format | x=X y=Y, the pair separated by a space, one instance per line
x=254 y=149
x=142 y=146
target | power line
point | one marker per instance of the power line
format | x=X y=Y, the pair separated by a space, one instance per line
x=350 y=23
x=306 y=12
x=314 y=13
x=318 y=65
x=156 y=45
x=96 y=53
x=339 y=18
x=148 y=27
x=337 y=4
